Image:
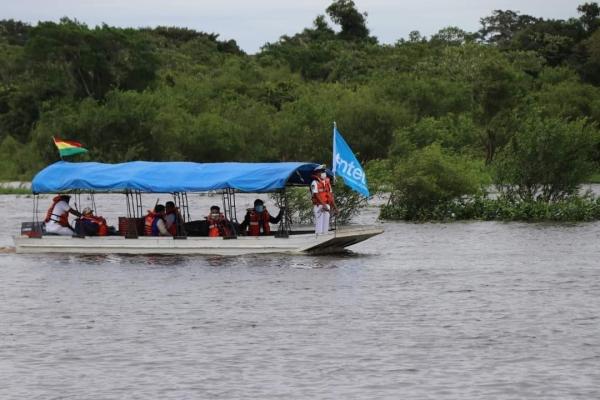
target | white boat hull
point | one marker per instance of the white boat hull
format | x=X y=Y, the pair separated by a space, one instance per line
x=335 y=241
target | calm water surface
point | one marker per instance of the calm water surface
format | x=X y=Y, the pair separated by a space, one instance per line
x=441 y=311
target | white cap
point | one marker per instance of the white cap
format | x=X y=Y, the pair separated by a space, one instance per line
x=86 y=210
x=320 y=167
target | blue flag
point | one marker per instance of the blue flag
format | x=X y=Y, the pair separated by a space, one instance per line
x=347 y=166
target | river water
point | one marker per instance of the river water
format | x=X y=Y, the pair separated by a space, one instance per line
x=442 y=311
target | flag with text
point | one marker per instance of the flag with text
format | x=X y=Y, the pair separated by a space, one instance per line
x=347 y=166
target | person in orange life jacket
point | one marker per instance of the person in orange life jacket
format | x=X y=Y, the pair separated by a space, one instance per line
x=218 y=225
x=322 y=199
x=57 y=217
x=154 y=223
x=90 y=224
x=173 y=219
x=257 y=219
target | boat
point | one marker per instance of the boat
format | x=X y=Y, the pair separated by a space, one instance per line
x=179 y=179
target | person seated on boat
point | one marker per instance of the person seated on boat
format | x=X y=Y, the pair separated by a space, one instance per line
x=257 y=220
x=91 y=225
x=57 y=217
x=154 y=223
x=218 y=225
x=173 y=219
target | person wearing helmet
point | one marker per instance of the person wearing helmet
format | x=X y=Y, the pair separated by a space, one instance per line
x=57 y=216
x=257 y=220
x=322 y=199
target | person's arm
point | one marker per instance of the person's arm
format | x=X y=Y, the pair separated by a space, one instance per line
x=162 y=228
x=244 y=225
x=275 y=220
x=75 y=212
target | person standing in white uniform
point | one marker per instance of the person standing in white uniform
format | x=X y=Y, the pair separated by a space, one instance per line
x=322 y=199
x=57 y=217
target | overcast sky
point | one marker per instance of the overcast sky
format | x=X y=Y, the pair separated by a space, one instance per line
x=252 y=23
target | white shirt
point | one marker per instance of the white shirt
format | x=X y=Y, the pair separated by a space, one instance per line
x=314 y=188
x=162 y=228
x=59 y=209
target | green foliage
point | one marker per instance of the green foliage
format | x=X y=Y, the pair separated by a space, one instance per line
x=570 y=209
x=546 y=159
x=500 y=27
x=455 y=132
x=594 y=178
x=432 y=176
x=88 y=63
x=590 y=13
x=590 y=68
x=380 y=178
x=345 y=14
x=10 y=150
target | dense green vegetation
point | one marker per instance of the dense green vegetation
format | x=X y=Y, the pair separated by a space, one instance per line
x=436 y=120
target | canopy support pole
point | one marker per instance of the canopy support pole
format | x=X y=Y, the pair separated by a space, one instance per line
x=229 y=209
x=285 y=224
x=187 y=207
x=180 y=204
x=132 y=232
x=93 y=200
x=34 y=228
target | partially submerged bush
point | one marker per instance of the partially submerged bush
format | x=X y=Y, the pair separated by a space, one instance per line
x=571 y=209
x=429 y=178
x=547 y=159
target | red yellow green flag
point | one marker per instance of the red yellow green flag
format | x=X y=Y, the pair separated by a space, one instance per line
x=68 y=147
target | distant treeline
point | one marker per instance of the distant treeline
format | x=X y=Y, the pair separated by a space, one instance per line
x=516 y=103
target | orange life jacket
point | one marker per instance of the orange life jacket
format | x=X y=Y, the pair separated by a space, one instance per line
x=216 y=225
x=150 y=227
x=63 y=219
x=101 y=222
x=258 y=221
x=324 y=193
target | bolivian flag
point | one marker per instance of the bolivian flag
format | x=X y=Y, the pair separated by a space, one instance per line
x=68 y=147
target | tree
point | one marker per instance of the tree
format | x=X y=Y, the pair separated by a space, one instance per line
x=502 y=25
x=555 y=40
x=353 y=23
x=589 y=16
x=15 y=32
x=73 y=60
x=495 y=91
x=590 y=68
x=547 y=158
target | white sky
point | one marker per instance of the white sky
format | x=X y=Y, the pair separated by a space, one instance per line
x=252 y=23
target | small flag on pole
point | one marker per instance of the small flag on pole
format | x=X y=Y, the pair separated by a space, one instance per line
x=347 y=166
x=68 y=147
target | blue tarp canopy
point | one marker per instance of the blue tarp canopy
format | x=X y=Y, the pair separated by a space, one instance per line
x=169 y=177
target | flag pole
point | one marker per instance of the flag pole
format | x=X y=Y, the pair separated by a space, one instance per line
x=60 y=155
